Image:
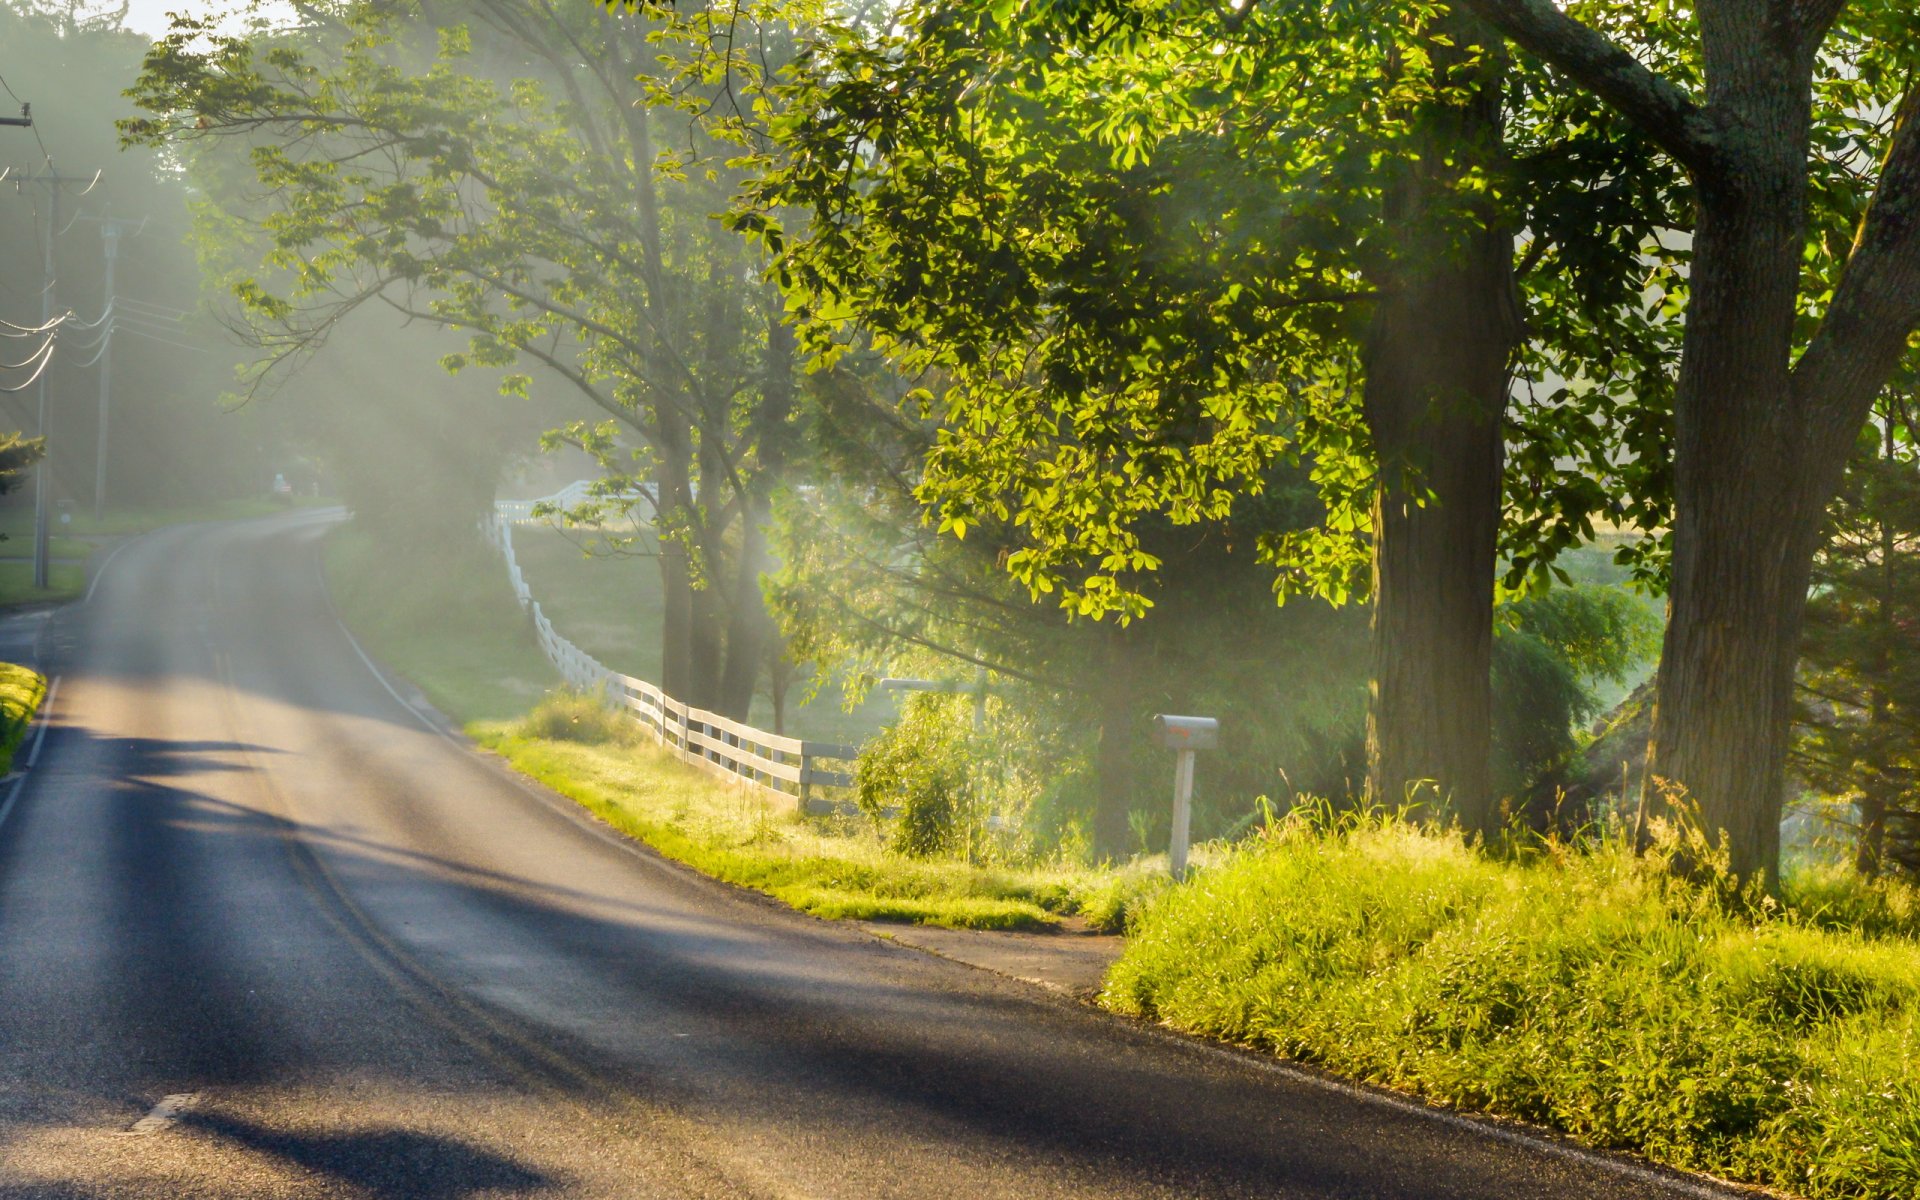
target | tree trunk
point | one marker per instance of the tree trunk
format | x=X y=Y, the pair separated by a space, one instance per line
x=1751 y=488
x=676 y=567
x=1121 y=733
x=1436 y=365
x=750 y=629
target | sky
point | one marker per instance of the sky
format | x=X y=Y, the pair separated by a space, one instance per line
x=150 y=16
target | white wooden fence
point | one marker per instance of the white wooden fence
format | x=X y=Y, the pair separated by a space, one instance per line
x=789 y=769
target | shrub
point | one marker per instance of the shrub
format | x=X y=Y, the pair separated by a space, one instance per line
x=571 y=716
x=918 y=776
x=1600 y=993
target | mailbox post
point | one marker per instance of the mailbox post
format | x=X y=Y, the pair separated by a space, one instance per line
x=1184 y=735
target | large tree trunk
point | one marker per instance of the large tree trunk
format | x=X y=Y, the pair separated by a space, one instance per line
x=1761 y=439
x=1436 y=389
x=1750 y=488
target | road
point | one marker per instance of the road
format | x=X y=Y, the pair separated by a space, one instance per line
x=263 y=932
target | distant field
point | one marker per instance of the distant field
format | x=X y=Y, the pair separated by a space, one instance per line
x=609 y=606
x=67 y=580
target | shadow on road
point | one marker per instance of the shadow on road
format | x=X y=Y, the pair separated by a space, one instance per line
x=385 y=1164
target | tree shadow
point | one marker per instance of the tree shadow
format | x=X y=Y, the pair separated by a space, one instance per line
x=388 y=1164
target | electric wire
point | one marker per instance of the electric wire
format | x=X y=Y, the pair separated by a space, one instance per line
x=30 y=330
x=35 y=126
x=30 y=359
x=32 y=379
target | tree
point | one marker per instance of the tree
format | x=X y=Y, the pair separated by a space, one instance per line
x=559 y=220
x=1779 y=364
x=1140 y=260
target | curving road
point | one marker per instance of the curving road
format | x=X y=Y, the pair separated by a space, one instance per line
x=265 y=933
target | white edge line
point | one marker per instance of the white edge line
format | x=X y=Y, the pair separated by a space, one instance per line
x=104 y=564
x=43 y=718
x=1546 y=1142
x=379 y=676
x=20 y=780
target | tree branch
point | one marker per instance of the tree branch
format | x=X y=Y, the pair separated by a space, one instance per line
x=1662 y=110
x=1876 y=304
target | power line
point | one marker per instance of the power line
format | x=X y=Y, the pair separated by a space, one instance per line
x=25 y=118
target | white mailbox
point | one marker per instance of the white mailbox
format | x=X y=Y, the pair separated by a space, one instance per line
x=1184 y=735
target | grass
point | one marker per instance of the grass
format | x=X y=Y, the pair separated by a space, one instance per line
x=65 y=581
x=1595 y=993
x=21 y=691
x=447 y=621
x=609 y=606
x=16 y=522
x=829 y=868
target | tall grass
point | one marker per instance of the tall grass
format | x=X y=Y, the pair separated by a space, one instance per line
x=21 y=691
x=1599 y=993
x=835 y=867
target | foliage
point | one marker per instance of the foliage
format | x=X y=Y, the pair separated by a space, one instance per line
x=170 y=442
x=738 y=838
x=922 y=777
x=1599 y=993
x=564 y=715
x=552 y=206
x=21 y=691
x=1859 y=730
x=1165 y=303
x=1552 y=650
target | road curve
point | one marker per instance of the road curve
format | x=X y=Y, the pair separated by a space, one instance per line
x=264 y=933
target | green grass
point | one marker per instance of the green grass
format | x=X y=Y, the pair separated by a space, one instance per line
x=828 y=868
x=20 y=545
x=1598 y=994
x=17 y=523
x=446 y=620
x=21 y=691
x=65 y=581
x=609 y=606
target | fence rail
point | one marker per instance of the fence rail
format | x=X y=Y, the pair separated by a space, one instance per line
x=784 y=768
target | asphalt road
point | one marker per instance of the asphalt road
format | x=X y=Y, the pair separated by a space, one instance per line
x=374 y=964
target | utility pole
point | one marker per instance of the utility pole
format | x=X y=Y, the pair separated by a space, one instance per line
x=23 y=121
x=110 y=242
x=54 y=181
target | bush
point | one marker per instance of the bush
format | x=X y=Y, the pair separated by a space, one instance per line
x=919 y=776
x=1599 y=993
x=570 y=716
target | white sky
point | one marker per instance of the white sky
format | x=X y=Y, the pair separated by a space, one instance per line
x=150 y=16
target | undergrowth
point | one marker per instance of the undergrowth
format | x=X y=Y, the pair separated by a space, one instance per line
x=836 y=866
x=1595 y=992
x=21 y=691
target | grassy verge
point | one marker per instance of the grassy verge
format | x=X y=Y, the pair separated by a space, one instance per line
x=64 y=582
x=445 y=619
x=450 y=625
x=1597 y=994
x=21 y=691
x=17 y=523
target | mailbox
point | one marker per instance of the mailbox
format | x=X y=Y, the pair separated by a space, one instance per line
x=1187 y=733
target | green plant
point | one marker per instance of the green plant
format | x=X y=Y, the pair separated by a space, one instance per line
x=571 y=716
x=1599 y=991
x=919 y=777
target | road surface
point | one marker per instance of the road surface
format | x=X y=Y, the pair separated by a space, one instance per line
x=263 y=932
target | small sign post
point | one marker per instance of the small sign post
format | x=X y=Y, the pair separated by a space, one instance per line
x=1184 y=735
